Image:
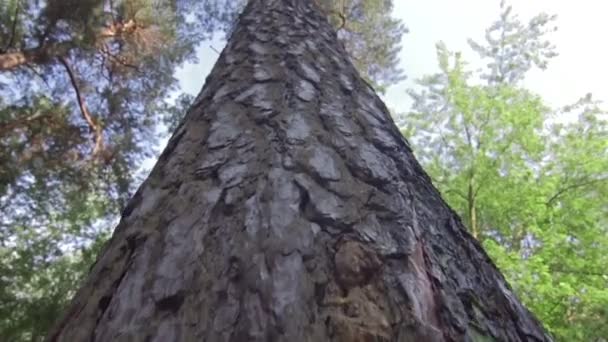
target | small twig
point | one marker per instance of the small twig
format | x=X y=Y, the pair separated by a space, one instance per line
x=118 y=59
x=340 y=15
x=573 y=186
x=95 y=127
x=212 y=48
x=37 y=73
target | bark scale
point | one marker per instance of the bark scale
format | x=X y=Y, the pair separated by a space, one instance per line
x=288 y=207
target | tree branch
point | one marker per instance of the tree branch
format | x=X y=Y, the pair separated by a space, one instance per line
x=453 y=190
x=579 y=272
x=94 y=126
x=37 y=73
x=5 y=127
x=39 y=55
x=457 y=192
x=571 y=187
x=117 y=59
x=118 y=28
x=340 y=14
x=47 y=51
x=13 y=29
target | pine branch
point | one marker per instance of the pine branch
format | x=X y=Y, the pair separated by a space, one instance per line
x=9 y=126
x=94 y=126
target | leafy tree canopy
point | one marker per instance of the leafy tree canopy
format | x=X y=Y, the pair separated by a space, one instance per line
x=528 y=180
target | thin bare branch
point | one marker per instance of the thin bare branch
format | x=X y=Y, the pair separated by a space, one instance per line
x=37 y=73
x=94 y=126
x=572 y=187
x=214 y=49
x=117 y=59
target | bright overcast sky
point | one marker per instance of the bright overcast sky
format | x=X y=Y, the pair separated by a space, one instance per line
x=581 y=67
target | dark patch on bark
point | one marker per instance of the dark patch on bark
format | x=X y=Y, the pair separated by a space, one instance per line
x=132 y=204
x=134 y=240
x=171 y=303
x=173 y=142
x=104 y=302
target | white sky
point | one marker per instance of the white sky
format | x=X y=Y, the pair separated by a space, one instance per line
x=581 y=66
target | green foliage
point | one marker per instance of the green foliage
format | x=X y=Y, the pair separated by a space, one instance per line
x=513 y=47
x=469 y=133
x=68 y=163
x=37 y=282
x=529 y=181
x=371 y=37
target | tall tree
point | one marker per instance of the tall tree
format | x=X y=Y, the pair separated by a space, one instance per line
x=513 y=47
x=469 y=136
x=287 y=206
x=468 y=130
x=369 y=32
x=83 y=86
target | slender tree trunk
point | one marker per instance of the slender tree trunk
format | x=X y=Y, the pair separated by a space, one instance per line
x=472 y=209
x=288 y=207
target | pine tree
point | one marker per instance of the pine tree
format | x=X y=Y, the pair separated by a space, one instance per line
x=287 y=206
x=83 y=85
x=84 y=88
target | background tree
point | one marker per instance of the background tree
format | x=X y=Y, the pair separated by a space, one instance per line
x=470 y=136
x=512 y=48
x=85 y=88
x=527 y=181
x=83 y=85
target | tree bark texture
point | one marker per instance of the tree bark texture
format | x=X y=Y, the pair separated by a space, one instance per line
x=288 y=207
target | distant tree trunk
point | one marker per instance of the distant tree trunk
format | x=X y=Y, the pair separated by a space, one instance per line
x=472 y=209
x=288 y=207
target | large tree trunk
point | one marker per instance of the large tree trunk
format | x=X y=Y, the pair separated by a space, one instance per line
x=288 y=207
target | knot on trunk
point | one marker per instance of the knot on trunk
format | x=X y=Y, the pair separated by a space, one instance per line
x=355 y=264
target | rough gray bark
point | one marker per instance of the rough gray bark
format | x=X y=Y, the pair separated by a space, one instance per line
x=288 y=207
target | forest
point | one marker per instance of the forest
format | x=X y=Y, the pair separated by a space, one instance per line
x=90 y=95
